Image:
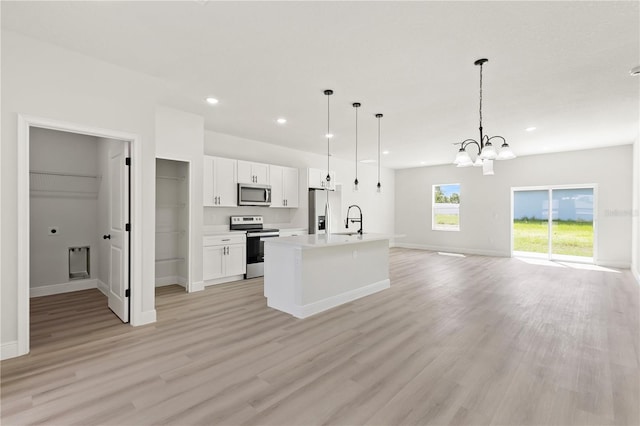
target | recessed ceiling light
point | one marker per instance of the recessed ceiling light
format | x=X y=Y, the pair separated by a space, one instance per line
x=635 y=70
x=385 y=152
x=328 y=135
x=530 y=129
x=367 y=161
x=423 y=162
x=281 y=120
x=211 y=101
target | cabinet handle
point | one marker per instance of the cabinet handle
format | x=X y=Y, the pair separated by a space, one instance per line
x=227 y=239
x=219 y=199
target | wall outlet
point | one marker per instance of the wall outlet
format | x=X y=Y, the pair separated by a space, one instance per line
x=53 y=230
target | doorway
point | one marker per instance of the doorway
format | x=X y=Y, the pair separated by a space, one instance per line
x=65 y=184
x=172 y=223
x=554 y=223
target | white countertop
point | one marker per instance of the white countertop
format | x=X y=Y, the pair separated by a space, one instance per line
x=322 y=240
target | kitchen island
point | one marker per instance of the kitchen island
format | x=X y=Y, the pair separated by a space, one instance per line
x=308 y=274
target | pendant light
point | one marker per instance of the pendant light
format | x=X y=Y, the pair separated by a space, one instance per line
x=486 y=151
x=356 y=105
x=327 y=206
x=379 y=186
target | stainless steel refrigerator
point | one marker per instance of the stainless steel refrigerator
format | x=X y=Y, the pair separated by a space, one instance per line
x=317 y=202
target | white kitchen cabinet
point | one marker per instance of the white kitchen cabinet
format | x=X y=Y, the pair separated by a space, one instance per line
x=219 y=184
x=249 y=172
x=224 y=258
x=284 y=186
x=317 y=179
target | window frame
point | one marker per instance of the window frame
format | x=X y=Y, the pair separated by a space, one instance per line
x=434 y=226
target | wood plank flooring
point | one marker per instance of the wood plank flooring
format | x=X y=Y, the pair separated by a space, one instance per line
x=475 y=340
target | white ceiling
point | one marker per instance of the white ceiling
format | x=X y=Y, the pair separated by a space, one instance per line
x=559 y=66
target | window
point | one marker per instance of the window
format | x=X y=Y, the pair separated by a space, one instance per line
x=446 y=207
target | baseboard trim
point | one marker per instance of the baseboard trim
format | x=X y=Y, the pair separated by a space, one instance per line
x=9 y=350
x=103 y=288
x=164 y=281
x=223 y=280
x=47 y=290
x=636 y=274
x=197 y=286
x=475 y=252
x=304 y=311
x=146 y=317
x=613 y=264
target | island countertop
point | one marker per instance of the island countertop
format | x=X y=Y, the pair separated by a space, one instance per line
x=323 y=240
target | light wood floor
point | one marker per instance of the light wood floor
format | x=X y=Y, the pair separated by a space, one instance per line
x=474 y=340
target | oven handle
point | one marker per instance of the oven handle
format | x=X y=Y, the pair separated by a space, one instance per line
x=262 y=234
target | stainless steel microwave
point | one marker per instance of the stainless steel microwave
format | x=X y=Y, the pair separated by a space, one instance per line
x=250 y=194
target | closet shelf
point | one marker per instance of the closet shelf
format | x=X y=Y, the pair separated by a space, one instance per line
x=57 y=184
x=176 y=178
x=170 y=205
x=170 y=259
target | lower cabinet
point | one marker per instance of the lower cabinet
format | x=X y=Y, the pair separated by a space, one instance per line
x=224 y=258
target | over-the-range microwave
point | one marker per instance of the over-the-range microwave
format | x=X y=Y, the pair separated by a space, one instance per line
x=251 y=194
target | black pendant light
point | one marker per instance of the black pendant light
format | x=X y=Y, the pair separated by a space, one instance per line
x=356 y=105
x=379 y=186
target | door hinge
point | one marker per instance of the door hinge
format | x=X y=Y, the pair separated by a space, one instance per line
x=127 y=161
x=127 y=227
x=127 y=293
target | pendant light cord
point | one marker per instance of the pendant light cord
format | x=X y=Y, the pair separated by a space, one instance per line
x=328 y=137
x=356 y=144
x=378 y=150
x=481 y=96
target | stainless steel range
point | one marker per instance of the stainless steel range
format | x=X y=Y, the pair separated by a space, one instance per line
x=256 y=233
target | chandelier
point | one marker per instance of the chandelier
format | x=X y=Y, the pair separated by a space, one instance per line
x=486 y=151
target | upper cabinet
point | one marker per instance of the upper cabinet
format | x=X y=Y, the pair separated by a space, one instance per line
x=249 y=172
x=219 y=185
x=318 y=179
x=284 y=186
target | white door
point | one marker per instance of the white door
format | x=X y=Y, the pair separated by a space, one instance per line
x=118 y=236
x=290 y=186
x=225 y=183
x=235 y=262
x=277 y=195
x=213 y=262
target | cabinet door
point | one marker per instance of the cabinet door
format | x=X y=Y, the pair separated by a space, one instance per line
x=277 y=193
x=213 y=262
x=261 y=172
x=225 y=185
x=236 y=263
x=290 y=186
x=207 y=183
x=245 y=174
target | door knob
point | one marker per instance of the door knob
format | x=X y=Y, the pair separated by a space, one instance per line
x=106 y=237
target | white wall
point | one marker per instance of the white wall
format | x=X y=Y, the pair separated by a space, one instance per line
x=485 y=208
x=635 y=266
x=42 y=80
x=377 y=209
x=74 y=214
x=180 y=136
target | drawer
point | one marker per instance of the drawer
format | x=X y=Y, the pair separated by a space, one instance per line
x=219 y=240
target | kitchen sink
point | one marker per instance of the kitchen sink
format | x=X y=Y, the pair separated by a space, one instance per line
x=346 y=233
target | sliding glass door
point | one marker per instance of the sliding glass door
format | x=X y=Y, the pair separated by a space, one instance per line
x=554 y=222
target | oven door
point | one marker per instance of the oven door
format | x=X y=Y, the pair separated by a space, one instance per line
x=254 y=195
x=255 y=252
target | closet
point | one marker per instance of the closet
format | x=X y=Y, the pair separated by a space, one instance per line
x=172 y=222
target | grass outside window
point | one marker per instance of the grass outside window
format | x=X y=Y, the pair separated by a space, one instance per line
x=573 y=238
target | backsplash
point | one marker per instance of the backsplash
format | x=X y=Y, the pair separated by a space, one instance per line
x=218 y=216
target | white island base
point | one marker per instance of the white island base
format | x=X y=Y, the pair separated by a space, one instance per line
x=308 y=274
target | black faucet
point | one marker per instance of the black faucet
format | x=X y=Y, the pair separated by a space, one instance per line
x=346 y=223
